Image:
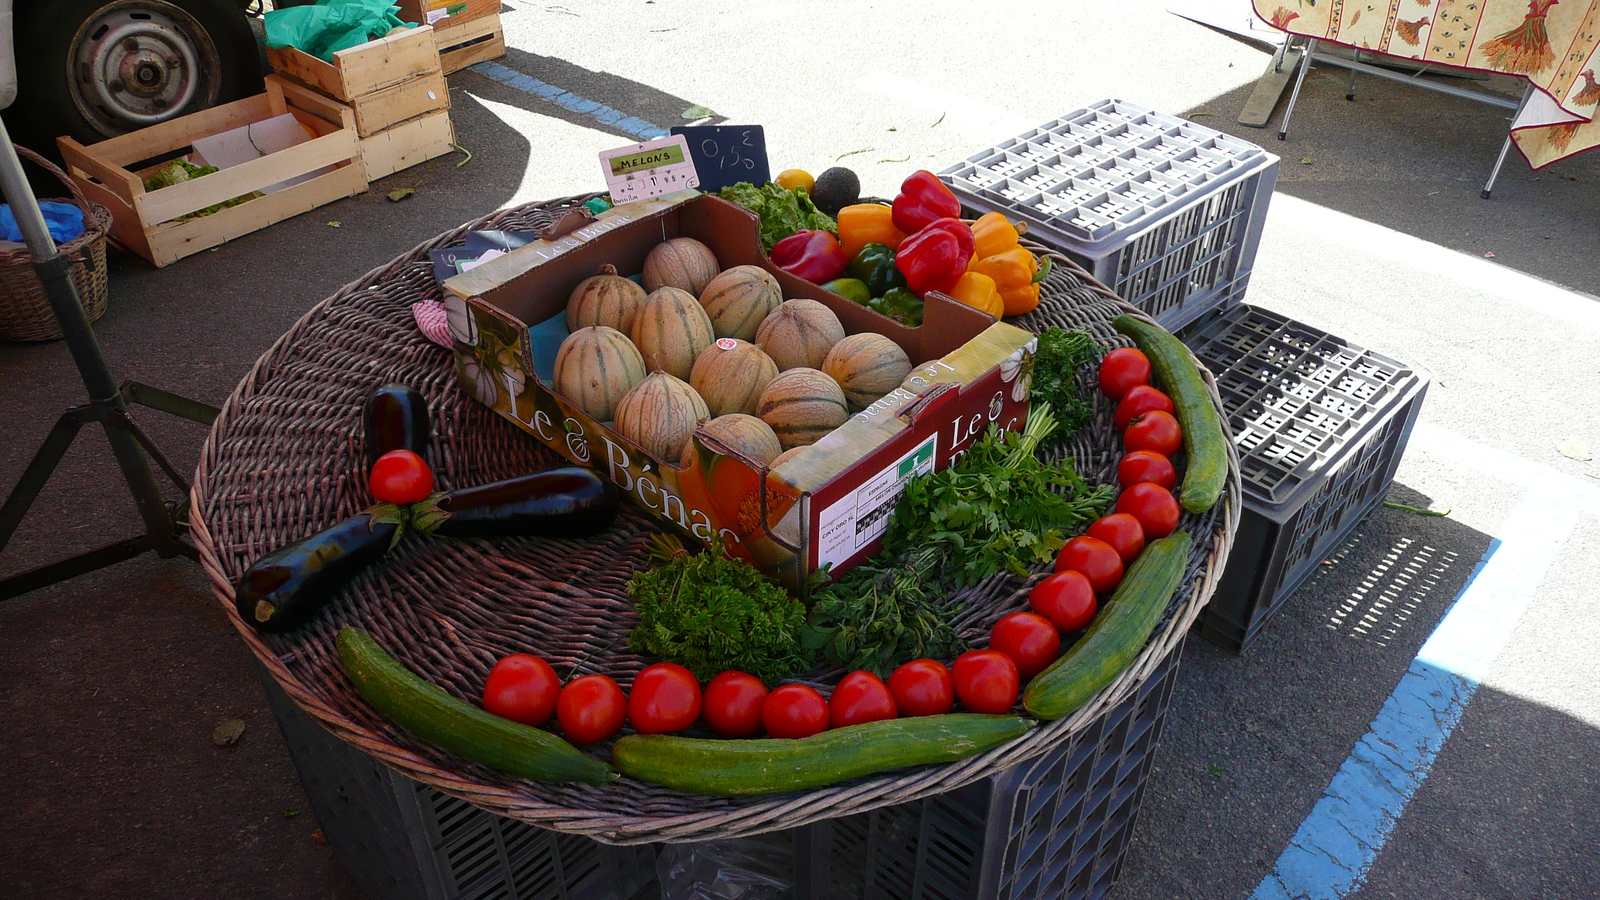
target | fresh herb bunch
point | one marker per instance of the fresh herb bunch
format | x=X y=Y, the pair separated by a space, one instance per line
x=882 y=613
x=783 y=211
x=1055 y=374
x=710 y=614
x=998 y=507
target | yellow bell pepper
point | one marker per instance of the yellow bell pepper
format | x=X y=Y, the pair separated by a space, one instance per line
x=1012 y=271
x=978 y=291
x=867 y=223
x=1008 y=263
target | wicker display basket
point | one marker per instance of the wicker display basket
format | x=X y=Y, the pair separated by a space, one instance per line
x=283 y=461
x=25 y=313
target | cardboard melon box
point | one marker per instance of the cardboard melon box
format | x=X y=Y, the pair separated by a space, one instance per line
x=828 y=505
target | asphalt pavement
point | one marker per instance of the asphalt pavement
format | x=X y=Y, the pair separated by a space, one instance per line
x=113 y=683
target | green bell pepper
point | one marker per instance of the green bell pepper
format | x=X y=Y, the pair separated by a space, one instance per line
x=874 y=266
x=850 y=288
x=899 y=304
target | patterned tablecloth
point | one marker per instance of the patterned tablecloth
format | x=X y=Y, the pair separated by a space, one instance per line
x=1552 y=43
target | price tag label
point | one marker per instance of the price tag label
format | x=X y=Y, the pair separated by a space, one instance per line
x=727 y=154
x=650 y=169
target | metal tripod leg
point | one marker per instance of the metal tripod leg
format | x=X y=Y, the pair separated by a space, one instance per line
x=1299 y=79
x=164 y=523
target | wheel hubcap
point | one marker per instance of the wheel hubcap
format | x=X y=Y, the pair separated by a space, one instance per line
x=138 y=63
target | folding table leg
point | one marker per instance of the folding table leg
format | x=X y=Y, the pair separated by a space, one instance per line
x=1350 y=92
x=1488 y=187
x=1299 y=79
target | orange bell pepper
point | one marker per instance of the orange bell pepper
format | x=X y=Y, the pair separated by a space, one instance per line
x=1012 y=272
x=978 y=291
x=993 y=234
x=867 y=223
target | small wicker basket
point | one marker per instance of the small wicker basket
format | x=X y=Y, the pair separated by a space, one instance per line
x=25 y=313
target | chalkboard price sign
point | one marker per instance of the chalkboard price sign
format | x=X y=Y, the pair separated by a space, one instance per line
x=727 y=154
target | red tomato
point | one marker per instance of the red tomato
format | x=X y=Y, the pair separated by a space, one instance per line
x=1096 y=559
x=987 y=681
x=1146 y=465
x=400 y=476
x=733 y=702
x=860 y=697
x=922 y=687
x=1154 y=507
x=1029 y=639
x=1140 y=399
x=665 y=698
x=1123 y=532
x=591 y=709
x=795 y=711
x=522 y=688
x=1123 y=368
x=1156 y=431
x=1066 y=599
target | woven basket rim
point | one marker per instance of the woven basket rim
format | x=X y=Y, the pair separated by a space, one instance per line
x=96 y=217
x=766 y=814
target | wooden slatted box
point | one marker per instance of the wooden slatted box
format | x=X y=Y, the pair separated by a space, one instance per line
x=153 y=224
x=471 y=41
x=396 y=88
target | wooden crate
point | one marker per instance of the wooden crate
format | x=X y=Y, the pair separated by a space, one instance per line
x=364 y=68
x=150 y=222
x=472 y=41
x=407 y=144
x=445 y=12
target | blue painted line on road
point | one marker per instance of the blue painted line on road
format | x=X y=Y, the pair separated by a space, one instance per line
x=567 y=100
x=1332 y=852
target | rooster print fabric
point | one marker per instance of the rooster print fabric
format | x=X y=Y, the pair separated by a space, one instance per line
x=1552 y=43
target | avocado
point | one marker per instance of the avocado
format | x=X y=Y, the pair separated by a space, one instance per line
x=835 y=189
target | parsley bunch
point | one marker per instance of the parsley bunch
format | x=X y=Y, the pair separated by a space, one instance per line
x=998 y=508
x=710 y=614
x=1055 y=373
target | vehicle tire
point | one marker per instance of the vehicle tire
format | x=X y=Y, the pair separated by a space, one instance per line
x=93 y=69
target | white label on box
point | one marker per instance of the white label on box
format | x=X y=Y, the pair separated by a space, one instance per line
x=862 y=515
x=650 y=169
x=434 y=15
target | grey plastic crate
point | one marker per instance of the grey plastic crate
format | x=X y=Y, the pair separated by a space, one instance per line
x=1320 y=425
x=1166 y=213
x=402 y=840
x=1053 y=827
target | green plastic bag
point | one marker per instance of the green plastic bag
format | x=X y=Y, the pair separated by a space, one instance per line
x=331 y=25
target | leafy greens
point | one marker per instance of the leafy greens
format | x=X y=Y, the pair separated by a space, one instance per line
x=783 y=211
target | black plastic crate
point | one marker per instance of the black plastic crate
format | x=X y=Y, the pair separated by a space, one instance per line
x=1320 y=425
x=402 y=840
x=1053 y=827
x=1165 y=212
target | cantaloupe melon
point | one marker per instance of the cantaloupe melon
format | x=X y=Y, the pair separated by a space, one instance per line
x=595 y=367
x=867 y=366
x=739 y=299
x=802 y=405
x=683 y=263
x=659 y=415
x=604 y=299
x=799 y=332
x=730 y=375
x=670 y=332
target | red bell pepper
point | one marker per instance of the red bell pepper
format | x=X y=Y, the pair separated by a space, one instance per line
x=934 y=258
x=813 y=255
x=923 y=198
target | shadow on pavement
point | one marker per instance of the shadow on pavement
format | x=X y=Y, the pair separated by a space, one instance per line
x=113 y=682
x=1251 y=742
x=1415 y=161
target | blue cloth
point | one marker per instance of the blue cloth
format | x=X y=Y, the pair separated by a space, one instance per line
x=64 y=220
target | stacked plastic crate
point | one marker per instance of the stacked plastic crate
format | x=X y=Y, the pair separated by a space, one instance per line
x=1166 y=213
x=1320 y=425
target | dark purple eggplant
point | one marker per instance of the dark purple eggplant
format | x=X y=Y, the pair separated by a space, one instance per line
x=571 y=501
x=395 y=418
x=284 y=589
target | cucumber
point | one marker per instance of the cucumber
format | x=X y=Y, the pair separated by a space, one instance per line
x=438 y=718
x=736 y=768
x=1117 y=635
x=1204 y=441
